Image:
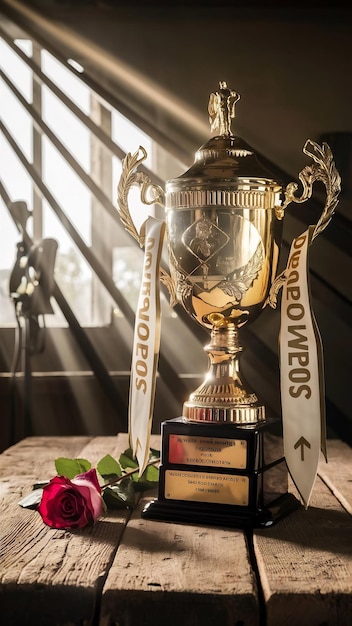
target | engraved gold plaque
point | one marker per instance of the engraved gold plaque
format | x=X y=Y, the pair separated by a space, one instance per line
x=213 y=452
x=206 y=487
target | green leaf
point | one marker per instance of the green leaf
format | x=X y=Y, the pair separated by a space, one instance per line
x=71 y=467
x=126 y=459
x=148 y=480
x=154 y=454
x=109 y=468
x=120 y=496
x=151 y=474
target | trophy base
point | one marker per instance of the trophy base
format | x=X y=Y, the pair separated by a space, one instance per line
x=222 y=474
x=211 y=515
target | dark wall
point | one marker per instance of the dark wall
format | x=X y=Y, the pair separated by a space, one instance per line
x=291 y=62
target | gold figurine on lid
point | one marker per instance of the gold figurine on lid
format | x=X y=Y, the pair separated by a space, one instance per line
x=221 y=109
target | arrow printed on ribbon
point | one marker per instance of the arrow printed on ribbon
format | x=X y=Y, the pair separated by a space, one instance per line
x=301 y=373
x=300 y=444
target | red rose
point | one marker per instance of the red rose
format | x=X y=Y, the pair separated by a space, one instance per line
x=72 y=503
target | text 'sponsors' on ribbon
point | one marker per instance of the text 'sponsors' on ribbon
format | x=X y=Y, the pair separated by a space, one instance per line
x=146 y=344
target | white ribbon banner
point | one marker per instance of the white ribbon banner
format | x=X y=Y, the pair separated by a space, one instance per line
x=301 y=373
x=146 y=344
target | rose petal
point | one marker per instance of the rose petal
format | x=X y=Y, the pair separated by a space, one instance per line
x=69 y=504
x=89 y=480
x=90 y=475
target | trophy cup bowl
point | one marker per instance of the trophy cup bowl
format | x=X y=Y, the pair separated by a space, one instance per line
x=224 y=236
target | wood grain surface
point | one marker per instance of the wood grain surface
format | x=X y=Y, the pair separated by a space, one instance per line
x=305 y=562
x=129 y=571
x=48 y=576
x=180 y=574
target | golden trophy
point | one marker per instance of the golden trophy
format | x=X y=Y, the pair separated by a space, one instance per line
x=222 y=460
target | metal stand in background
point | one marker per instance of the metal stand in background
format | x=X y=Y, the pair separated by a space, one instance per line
x=31 y=286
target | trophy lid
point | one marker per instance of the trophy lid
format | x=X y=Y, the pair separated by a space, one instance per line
x=224 y=163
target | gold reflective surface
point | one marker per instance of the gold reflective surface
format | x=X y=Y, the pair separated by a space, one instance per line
x=222 y=261
x=210 y=451
x=206 y=487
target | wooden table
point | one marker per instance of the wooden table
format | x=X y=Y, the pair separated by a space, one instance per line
x=128 y=571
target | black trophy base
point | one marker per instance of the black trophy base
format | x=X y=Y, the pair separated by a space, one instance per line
x=222 y=475
x=214 y=515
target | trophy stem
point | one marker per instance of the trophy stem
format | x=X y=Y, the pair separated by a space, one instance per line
x=224 y=396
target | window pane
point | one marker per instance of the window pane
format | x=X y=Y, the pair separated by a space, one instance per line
x=17 y=121
x=16 y=69
x=127 y=272
x=67 y=127
x=72 y=273
x=9 y=236
x=70 y=84
x=70 y=193
x=17 y=181
x=129 y=137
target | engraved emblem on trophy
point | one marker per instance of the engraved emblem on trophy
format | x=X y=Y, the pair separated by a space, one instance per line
x=222 y=459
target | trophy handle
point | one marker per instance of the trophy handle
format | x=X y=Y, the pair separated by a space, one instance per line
x=150 y=194
x=324 y=170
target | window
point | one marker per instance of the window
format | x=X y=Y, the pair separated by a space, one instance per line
x=49 y=117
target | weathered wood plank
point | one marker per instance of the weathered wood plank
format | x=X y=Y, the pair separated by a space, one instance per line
x=305 y=562
x=166 y=573
x=51 y=576
x=177 y=573
x=30 y=461
x=337 y=472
